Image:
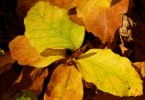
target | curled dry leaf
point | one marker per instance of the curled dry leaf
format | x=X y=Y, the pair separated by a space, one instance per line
x=25 y=54
x=31 y=79
x=100 y=17
x=65 y=84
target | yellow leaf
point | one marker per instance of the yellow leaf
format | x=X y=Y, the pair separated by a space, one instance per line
x=48 y=26
x=110 y=72
x=25 y=54
x=100 y=17
x=65 y=84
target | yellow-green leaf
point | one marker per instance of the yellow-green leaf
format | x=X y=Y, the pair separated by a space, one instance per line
x=25 y=54
x=110 y=72
x=65 y=84
x=48 y=26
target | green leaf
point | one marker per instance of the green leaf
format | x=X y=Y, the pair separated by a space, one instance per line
x=48 y=26
x=110 y=72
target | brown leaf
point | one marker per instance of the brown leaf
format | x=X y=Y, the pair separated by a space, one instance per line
x=6 y=62
x=65 y=84
x=31 y=79
x=5 y=67
x=141 y=67
x=100 y=17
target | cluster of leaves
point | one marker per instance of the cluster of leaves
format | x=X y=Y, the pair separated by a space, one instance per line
x=49 y=31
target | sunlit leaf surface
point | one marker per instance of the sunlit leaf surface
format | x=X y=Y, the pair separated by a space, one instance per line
x=48 y=26
x=110 y=72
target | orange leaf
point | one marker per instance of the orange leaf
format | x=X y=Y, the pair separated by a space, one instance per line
x=100 y=17
x=65 y=84
x=25 y=54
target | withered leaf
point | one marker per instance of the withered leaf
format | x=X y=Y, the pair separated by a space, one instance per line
x=65 y=84
x=31 y=79
x=6 y=62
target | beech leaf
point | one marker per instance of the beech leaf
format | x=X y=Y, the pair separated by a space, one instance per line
x=110 y=72
x=100 y=17
x=25 y=54
x=65 y=84
x=48 y=26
